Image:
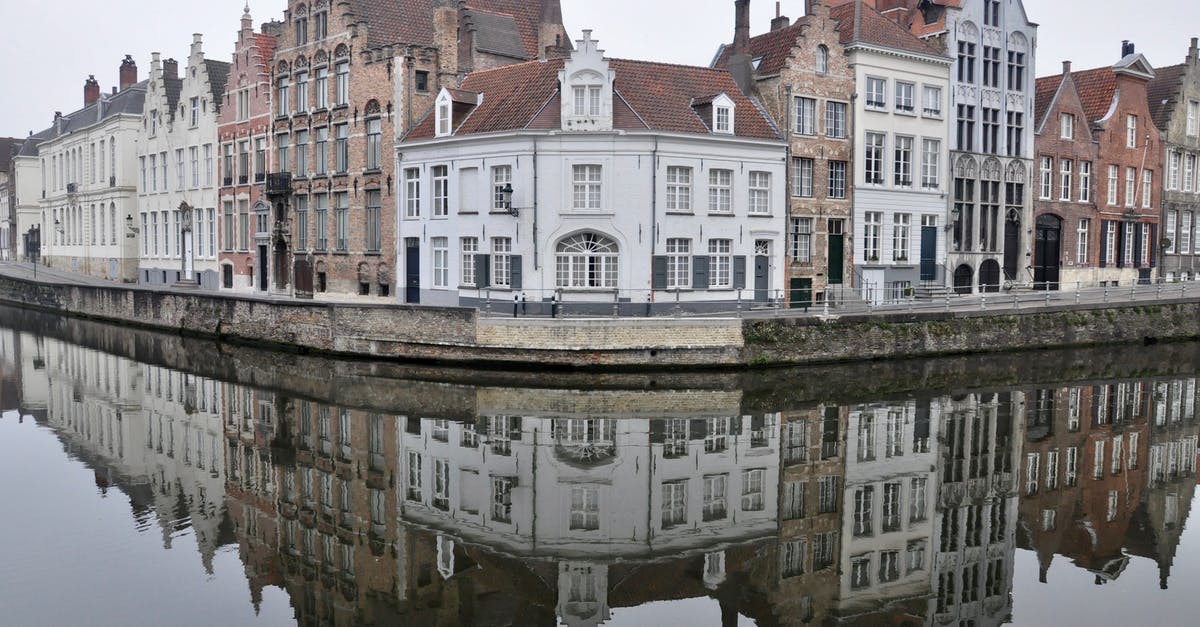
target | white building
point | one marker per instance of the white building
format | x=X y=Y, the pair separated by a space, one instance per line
x=596 y=181
x=901 y=139
x=176 y=171
x=76 y=182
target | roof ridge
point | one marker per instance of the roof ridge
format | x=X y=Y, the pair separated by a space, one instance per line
x=667 y=64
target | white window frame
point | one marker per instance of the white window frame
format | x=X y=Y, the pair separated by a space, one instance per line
x=679 y=189
x=1065 y=182
x=931 y=101
x=441 y=262
x=901 y=237
x=1066 y=126
x=1113 y=173
x=906 y=96
x=720 y=191
x=586 y=187
x=876 y=92
x=412 y=192
x=1131 y=122
x=679 y=263
x=1081 y=241
x=720 y=266
x=1085 y=181
x=760 y=193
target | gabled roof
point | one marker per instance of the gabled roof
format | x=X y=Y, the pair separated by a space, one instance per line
x=1162 y=93
x=1045 y=89
x=1096 y=90
x=772 y=49
x=172 y=87
x=218 y=76
x=647 y=96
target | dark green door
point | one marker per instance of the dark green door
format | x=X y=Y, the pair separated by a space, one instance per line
x=800 y=295
x=836 y=259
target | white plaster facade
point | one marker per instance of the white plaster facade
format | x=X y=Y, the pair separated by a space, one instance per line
x=985 y=224
x=177 y=153
x=597 y=216
x=906 y=208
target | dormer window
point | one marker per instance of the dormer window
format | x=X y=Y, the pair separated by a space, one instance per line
x=722 y=115
x=444 y=110
x=587 y=100
x=587 y=88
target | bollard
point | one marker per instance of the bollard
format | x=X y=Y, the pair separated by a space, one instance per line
x=1158 y=291
x=1077 y=290
x=516 y=304
x=983 y=301
x=487 y=308
x=1133 y=292
x=947 y=302
x=1106 y=292
x=1047 y=294
x=1016 y=301
x=678 y=310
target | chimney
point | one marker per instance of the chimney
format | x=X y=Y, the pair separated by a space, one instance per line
x=781 y=21
x=1127 y=48
x=1066 y=67
x=91 y=90
x=128 y=73
x=741 y=64
x=1194 y=51
x=170 y=68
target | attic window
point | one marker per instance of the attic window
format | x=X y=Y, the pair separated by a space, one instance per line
x=757 y=62
x=443 y=119
x=822 y=59
x=422 y=80
x=722 y=118
x=587 y=100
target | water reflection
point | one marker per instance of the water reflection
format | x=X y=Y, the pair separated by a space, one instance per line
x=552 y=506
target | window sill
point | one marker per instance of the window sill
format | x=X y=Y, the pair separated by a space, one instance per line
x=906 y=112
x=876 y=108
x=467 y=213
x=679 y=212
x=760 y=215
x=720 y=214
x=375 y=170
x=373 y=253
x=931 y=116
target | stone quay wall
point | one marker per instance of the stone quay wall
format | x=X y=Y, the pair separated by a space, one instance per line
x=462 y=336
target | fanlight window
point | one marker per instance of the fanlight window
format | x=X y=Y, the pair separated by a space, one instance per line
x=587 y=261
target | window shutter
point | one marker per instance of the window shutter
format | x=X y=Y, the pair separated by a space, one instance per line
x=658 y=273
x=1136 y=262
x=735 y=425
x=483 y=267
x=697 y=429
x=700 y=273
x=739 y=272
x=1153 y=245
x=658 y=431
x=1103 y=244
x=1120 y=245
x=515 y=272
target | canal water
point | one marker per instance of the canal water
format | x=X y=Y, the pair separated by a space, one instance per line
x=152 y=479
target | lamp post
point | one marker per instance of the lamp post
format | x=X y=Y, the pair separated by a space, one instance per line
x=507 y=193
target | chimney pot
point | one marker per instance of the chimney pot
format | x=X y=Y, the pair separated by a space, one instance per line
x=1066 y=67
x=128 y=72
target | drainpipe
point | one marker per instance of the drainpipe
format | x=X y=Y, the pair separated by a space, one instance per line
x=535 y=206
x=653 y=212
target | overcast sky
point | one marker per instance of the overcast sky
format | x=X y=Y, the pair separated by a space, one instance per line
x=93 y=37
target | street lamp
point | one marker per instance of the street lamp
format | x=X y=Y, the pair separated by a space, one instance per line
x=506 y=194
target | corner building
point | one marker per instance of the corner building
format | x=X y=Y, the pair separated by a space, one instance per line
x=1174 y=98
x=603 y=184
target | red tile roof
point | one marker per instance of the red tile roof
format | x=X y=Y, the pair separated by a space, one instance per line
x=775 y=47
x=1096 y=89
x=1044 y=90
x=655 y=96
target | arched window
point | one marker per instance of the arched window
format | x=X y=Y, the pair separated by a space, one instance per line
x=587 y=261
x=822 y=59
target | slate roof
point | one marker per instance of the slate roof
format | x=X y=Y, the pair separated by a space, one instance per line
x=496 y=33
x=775 y=47
x=1162 y=93
x=8 y=146
x=648 y=96
x=172 y=86
x=392 y=22
x=131 y=101
x=218 y=76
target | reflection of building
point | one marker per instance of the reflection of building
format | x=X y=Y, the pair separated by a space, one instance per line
x=890 y=515
x=977 y=499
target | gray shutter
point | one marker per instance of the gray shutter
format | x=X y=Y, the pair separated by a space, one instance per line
x=659 y=273
x=483 y=267
x=697 y=429
x=514 y=280
x=1103 y=244
x=739 y=272
x=700 y=273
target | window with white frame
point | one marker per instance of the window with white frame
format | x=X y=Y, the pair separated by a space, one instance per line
x=873 y=159
x=674 y=503
x=585 y=508
x=1131 y=128
x=1189 y=173
x=720 y=191
x=1172 y=219
x=714 y=506
x=752 y=489
x=679 y=189
x=902 y=165
x=1173 y=163
x=1066 y=185
x=1110 y=244
x=441 y=191
x=837 y=179
x=1085 y=181
x=872 y=230
x=586 y=185
x=863 y=522
x=1066 y=126
x=501 y=178
x=722 y=119
x=760 y=193
x=1113 y=173
x=901 y=236
x=587 y=261
x=876 y=93
x=931 y=101
x=441 y=262
x=469 y=247
x=1185 y=233
x=806 y=115
x=502 y=498
x=1130 y=186
x=1081 y=241
x=931 y=156
x=1130 y=237
x=802 y=177
x=905 y=97
x=801 y=232
x=835 y=120
x=1047 y=173
x=342 y=74
x=1147 y=188
x=587 y=99
x=412 y=193
x=679 y=263
x=822 y=64
x=720 y=262
x=501 y=261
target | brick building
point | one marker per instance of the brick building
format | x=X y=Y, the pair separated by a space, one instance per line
x=1121 y=238
x=347 y=79
x=803 y=79
x=1174 y=98
x=243 y=129
x=1065 y=190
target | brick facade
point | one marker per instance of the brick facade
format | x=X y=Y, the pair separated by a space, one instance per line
x=242 y=131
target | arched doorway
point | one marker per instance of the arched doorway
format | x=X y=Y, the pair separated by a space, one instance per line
x=989 y=276
x=1047 y=252
x=963 y=279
